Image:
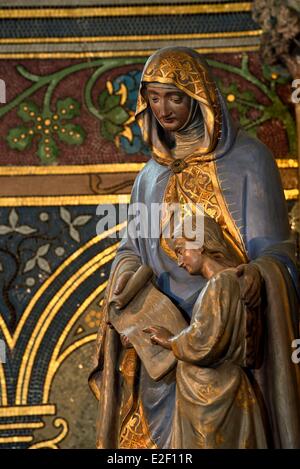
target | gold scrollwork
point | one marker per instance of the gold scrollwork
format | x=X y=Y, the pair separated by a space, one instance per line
x=53 y=442
x=97 y=186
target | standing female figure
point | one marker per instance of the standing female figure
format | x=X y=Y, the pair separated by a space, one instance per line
x=199 y=156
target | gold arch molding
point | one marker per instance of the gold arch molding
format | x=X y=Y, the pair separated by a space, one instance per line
x=11 y=340
x=58 y=358
x=50 y=313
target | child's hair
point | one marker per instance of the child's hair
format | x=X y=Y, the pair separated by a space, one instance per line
x=215 y=244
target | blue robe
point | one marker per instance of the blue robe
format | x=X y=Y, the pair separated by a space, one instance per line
x=252 y=189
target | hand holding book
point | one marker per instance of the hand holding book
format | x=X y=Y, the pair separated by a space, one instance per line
x=159 y=336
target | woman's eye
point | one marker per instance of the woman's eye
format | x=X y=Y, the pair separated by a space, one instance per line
x=154 y=100
x=177 y=99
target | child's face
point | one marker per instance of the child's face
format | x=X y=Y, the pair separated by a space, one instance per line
x=189 y=259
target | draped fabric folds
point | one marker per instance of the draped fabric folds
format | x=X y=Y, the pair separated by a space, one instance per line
x=236 y=180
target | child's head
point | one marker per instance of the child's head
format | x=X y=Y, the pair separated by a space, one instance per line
x=192 y=258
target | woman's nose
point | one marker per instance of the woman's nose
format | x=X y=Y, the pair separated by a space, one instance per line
x=164 y=108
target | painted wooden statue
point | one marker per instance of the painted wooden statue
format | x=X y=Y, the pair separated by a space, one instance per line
x=200 y=156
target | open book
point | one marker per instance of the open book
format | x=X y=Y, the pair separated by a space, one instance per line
x=149 y=307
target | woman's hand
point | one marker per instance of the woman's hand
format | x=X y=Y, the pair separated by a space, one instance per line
x=121 y=284
x=125 y=341
x=159 y=336
x=122 y=281
x=123 y=338
x=251 y=283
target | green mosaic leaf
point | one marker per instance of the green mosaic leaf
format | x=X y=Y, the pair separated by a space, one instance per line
x=19 y=138
x=281 y=75
x=68 y=108
x=72 y=134
x=47 y=151
x=248 y=96
x=109 y=130
x=28 y=111
x=118 y=115
x=102 y=99
x=108 y=101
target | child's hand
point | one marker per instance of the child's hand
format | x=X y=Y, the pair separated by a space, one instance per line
x=159 y=336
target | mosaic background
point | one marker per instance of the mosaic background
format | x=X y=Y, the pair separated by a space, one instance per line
x=68 y=143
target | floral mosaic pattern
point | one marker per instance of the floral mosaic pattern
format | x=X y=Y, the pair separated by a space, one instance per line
x=33 y=242
x=119 y=124
x=60 y=122
x=45 y=126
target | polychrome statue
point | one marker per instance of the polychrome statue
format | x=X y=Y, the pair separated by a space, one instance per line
x=199 y=156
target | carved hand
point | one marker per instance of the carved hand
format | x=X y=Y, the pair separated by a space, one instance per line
x=121 y=284
x=125 y=341
x=159 y=336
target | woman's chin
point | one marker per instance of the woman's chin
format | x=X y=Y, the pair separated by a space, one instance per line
x=171 y=126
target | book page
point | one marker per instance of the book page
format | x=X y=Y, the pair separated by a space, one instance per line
x=150 y=307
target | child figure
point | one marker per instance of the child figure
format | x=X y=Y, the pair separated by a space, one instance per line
x=216 y=405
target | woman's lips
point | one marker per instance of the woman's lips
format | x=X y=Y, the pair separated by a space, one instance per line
x=168 y=121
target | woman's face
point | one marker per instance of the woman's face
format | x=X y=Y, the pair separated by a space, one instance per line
x=170 y=107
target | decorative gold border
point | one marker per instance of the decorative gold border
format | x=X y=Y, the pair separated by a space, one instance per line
x=116 y=53
x=54 y=201
x=37 y=201
x=21 y=426
x=16 y=439
x=149 y=10
x=287 y=163
x=33 y=410
x=291 y=194
x=4 y=400
x=239 y=244
x=282 y=163
x=71 y=169
x=148 y=37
